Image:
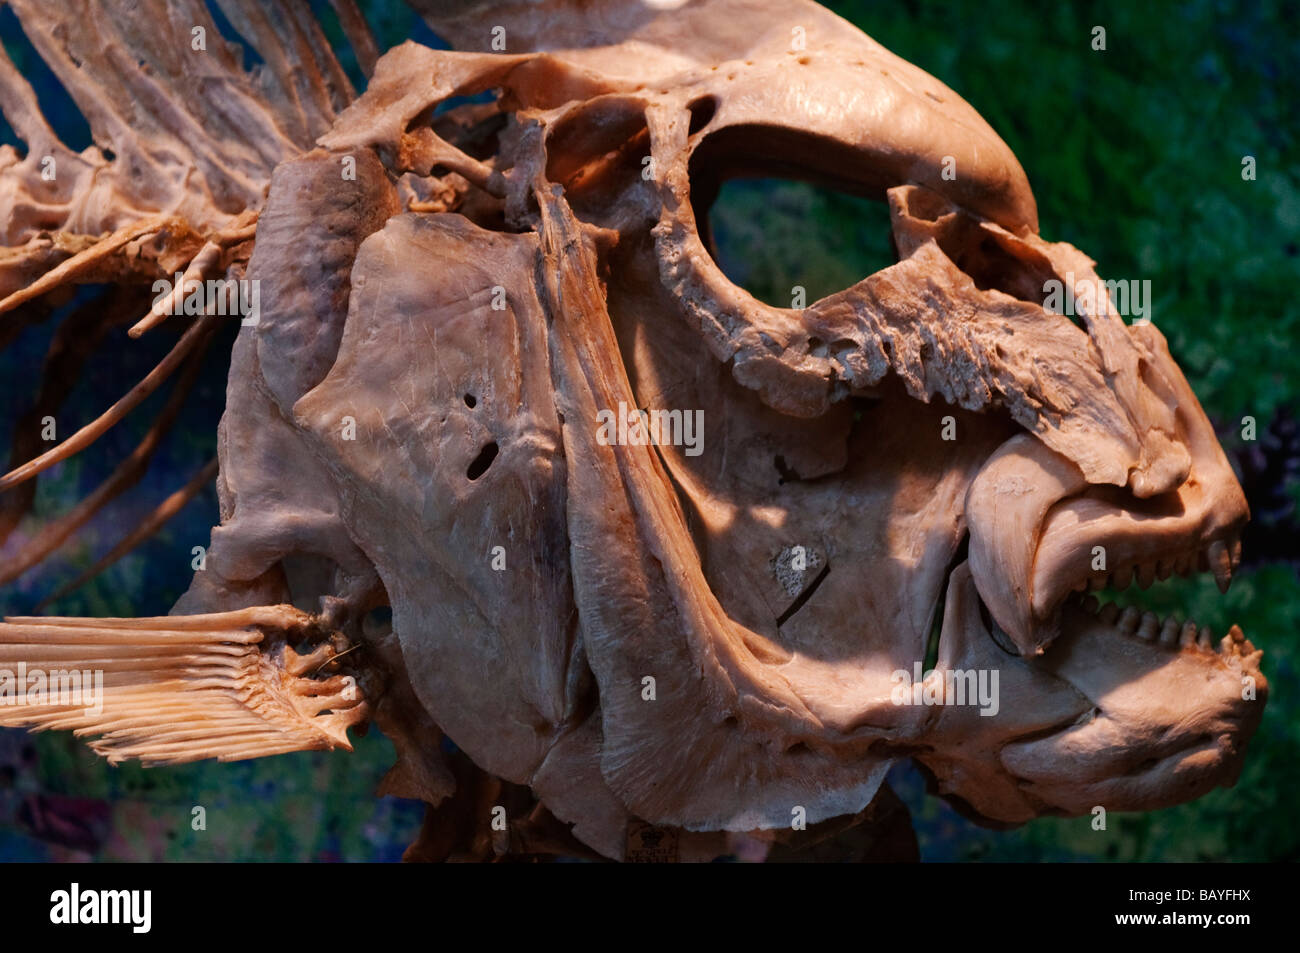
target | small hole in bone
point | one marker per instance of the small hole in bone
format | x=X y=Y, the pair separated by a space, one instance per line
x=378 y=621
x=470 y=400
x=702 y=111
x=482 y=461
x=803 y=61
x=787 y=473
x=927 y=206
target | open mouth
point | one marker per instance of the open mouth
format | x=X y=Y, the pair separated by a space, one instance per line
x=1042 y=538
x=1099 y=597
x=1092 y=551
x=1105 y=597
x=1220 y=557
x=1167 y=633
x=1132 y=710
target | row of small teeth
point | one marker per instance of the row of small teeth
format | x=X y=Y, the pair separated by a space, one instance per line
x=1170 y=633
x=1221 y=557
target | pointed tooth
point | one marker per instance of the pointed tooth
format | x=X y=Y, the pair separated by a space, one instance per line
x=1150 y=624
x=1221 y=563
x=1234 y=550
x=1091 y=605
x=1109 y=613
x=1123 y=577
x=1128 y=619
x=1165 y=568
x=1187 y=638
x=1236 y=634
x=1205 y=639
x=1227 y=646
x=1169 y=633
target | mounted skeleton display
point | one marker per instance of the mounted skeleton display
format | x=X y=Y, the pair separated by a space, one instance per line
x=459 y=302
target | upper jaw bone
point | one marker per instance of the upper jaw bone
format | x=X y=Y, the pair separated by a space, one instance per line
x=1203 y=515
x=1039 y=530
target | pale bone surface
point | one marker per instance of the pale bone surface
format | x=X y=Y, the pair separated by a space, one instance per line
x=496 y=274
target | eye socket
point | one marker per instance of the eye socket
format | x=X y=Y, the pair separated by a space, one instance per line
x=774 y=236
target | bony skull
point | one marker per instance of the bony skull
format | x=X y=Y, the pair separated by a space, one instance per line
x=712 y=640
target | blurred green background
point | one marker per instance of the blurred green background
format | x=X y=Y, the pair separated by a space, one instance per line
x=1135 y=155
